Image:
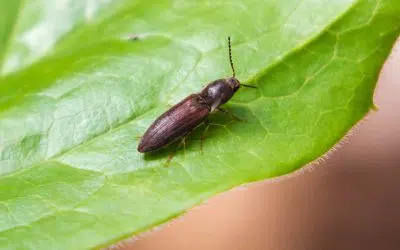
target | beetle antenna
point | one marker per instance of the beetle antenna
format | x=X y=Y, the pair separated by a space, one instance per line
x=230 y=56
x=248 y=86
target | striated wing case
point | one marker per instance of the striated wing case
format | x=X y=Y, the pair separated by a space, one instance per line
x=174 y=123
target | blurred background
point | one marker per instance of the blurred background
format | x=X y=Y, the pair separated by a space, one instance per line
x=349 y=202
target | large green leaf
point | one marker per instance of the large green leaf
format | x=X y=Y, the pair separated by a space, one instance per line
x=77 y=91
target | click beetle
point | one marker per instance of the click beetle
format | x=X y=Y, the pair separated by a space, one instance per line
x=192 y=111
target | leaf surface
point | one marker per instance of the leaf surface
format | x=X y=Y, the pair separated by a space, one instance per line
x=81 y=80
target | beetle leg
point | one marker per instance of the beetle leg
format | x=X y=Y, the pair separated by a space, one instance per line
x=203 y=136
x=226 y=111
x=183 y=143
x=169 y=159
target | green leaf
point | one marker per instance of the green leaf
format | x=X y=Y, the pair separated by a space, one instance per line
x=77 y=89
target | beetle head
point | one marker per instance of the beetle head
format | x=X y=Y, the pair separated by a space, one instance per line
x=233 y=83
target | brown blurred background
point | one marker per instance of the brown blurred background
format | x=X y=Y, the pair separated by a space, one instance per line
x=350 y=202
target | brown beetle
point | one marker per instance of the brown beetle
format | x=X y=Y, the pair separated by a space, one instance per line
x=182 y=118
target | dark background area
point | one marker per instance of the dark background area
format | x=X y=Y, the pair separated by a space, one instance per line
x=349 y=202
